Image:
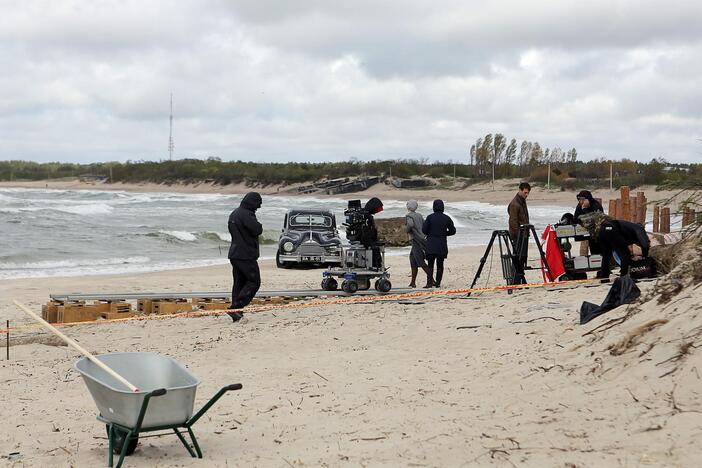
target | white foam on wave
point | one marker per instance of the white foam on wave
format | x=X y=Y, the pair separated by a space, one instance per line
x=102 y=267
x=184 y=236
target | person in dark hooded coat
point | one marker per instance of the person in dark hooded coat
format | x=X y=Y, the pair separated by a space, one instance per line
x=586 y=205
x=437 y=228
x=244 y=251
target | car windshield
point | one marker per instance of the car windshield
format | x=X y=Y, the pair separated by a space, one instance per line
x=310 y=220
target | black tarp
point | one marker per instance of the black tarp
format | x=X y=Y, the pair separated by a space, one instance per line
x=623 y=291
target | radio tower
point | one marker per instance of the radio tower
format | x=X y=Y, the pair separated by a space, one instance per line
x=171 y=146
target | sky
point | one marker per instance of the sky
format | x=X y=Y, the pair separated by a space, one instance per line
x=319 y=80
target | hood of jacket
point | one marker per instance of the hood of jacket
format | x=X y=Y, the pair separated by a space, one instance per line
x=252 y=201
x=585 y=194
x=374 y=205
x=438 y=206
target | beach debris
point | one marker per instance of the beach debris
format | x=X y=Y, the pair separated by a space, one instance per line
x=464 y=327
x=535 y=319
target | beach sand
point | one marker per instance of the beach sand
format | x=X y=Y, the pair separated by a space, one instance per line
x=490 y=380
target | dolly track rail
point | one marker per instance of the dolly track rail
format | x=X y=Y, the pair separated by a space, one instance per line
x=317 y=303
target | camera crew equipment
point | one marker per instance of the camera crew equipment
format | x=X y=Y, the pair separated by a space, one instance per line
x=513 y=255
x=364 y=258
x=576 y=268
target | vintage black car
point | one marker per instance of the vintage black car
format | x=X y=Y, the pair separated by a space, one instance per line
x=309 y=237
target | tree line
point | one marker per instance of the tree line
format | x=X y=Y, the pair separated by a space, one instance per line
x=529 y=163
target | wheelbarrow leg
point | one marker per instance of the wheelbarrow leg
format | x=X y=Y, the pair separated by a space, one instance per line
x=110 y=438
x=125 y=445
x=184 y=442
x=195 y=444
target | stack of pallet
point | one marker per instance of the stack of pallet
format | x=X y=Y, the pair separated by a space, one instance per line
x=211 y=303
x=79 y=311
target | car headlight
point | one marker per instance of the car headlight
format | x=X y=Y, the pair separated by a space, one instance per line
x=288 y=246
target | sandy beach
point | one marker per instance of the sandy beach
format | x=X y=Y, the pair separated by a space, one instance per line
x=490 y=380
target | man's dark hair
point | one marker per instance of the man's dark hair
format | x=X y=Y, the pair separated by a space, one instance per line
x=525 y=185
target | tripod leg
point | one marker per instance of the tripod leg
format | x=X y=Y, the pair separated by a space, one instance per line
x=543 y=255
x=483 y=259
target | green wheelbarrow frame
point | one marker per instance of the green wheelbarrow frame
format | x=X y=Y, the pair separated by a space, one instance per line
x=133 y=432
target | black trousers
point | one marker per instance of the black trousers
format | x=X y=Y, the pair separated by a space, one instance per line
x=247 y=280
x=439 y=267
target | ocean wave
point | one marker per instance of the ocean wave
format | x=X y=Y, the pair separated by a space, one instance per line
x=67 y=264
x=184 y=236
x=102 y=267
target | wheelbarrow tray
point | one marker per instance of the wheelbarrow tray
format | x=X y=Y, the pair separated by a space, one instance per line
x=148 y=372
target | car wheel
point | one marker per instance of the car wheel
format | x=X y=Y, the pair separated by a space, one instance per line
x=329 y=284
x=383 y=285
x=349 y=286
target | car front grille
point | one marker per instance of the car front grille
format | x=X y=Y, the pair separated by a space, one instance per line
x=311 y=249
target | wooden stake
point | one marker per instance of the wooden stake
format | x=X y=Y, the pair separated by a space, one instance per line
x=625 y=212
x=656 y=218
x=665 y=220
x=634 y=207
x=78 y=347
x=612 y=208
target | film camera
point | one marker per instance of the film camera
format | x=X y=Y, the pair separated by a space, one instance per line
x=360 y=226
x=364 y=259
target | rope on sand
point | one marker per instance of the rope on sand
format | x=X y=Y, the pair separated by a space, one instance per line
x=317 y=303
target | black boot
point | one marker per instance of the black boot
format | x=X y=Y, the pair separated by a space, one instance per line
x=236 y=316
x=430 y=280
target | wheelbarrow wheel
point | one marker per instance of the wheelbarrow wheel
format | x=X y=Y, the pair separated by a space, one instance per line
x=118 y=443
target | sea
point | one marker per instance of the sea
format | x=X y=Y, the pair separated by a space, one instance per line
x=47 y=233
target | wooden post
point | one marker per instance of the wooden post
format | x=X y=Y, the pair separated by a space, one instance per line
x=656 y=218
x=644 y=209
x=625 y=212
x=620 y=208
x=665 y=220
x=634 y=207
x=612 y=208
x=640 y=203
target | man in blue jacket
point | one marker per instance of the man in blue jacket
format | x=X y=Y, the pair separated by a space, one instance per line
x=437 y=228
x=243 y=252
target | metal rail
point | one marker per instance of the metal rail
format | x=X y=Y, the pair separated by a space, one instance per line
x=133 y=296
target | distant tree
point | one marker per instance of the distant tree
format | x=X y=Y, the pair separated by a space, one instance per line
x=499 y=144
x=536 y=156
x=510 y=154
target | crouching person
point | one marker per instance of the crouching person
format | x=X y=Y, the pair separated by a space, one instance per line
x=616 y=236
x=243 y=252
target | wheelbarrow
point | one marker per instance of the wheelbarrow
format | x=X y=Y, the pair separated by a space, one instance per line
x=164 y=400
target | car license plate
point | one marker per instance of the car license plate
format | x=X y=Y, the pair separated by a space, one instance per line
x=311 y=259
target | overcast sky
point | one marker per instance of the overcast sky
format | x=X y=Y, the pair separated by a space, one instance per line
x=325 y=80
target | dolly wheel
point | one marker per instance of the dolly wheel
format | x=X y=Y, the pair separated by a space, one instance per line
x=383 y=285
x=119 y=441
x=329 y=284
x=349 y=286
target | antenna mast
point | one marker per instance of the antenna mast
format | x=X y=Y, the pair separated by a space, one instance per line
x=171 y=146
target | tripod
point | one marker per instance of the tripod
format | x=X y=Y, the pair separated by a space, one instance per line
x=513 y=255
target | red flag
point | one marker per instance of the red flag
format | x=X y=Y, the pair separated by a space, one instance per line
x=554 y=256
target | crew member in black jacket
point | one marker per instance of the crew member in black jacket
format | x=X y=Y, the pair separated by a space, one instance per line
x=243 y=252
x=437 y=228
x=614 y=235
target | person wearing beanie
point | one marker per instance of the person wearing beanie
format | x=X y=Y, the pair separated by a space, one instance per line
x=413 y=223
x=243 y=252
x=437 y=228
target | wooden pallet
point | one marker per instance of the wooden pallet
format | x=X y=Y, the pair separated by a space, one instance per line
x=145 y=306
x=115 y=310
x=171 y=306
x=208 y=303
x=49 y=311
x=77 y=312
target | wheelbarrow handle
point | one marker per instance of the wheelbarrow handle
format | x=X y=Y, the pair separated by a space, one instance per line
x=212 y=401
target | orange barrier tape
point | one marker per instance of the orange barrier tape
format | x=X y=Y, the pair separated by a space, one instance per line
x=316 y=303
